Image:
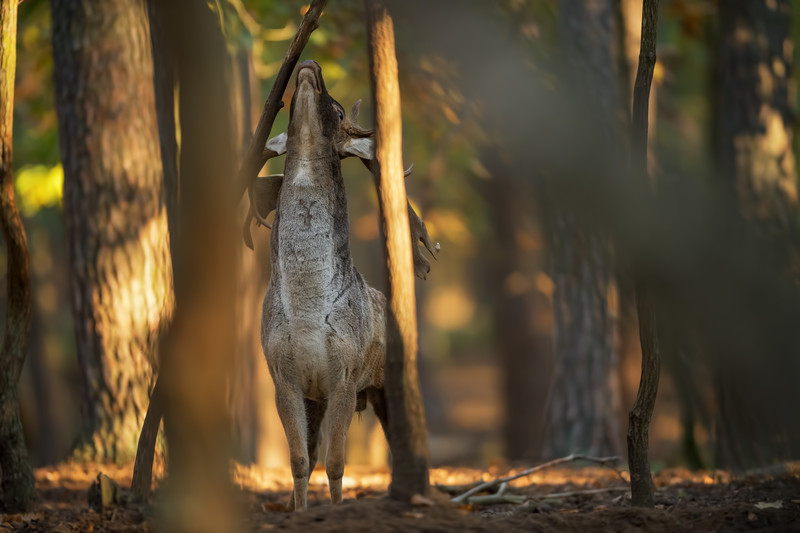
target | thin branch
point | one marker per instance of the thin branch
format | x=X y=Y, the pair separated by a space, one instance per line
x=603 y=461
x=255 y=156
x=587 y=492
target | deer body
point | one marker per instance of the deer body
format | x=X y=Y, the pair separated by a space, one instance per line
x=323 y=327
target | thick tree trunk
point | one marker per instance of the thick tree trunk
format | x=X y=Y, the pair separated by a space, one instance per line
x=115 y=213
x=757 y=164
x=407 y=431
x=523 y=344
x=585 y=400
x=755 y=119
x=17 y=481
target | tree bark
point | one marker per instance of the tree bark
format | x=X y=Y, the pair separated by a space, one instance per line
x=116 y=219
x=522 y=338
x=585 y=399
x=407 y=431
x=17 y=481
x=755 y=118
x=757 y=165
x=642 y=412
x=198 y=347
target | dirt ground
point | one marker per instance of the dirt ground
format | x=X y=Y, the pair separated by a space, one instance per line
x=685 y=501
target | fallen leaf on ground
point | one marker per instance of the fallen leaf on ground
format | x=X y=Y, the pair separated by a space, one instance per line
x=418 y=500
x=769 y=505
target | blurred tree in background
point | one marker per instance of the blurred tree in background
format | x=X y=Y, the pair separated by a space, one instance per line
x=116 y=220
x=531 y=220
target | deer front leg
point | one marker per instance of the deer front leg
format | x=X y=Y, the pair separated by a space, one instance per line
x=342 y=406
x=315 y=413
x=292 y=412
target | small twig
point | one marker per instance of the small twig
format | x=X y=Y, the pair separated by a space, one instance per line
x=494 y=499
x=502 y=489
x=587 y=492
x=603 y=461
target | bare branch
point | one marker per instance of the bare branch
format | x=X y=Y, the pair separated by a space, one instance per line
x=256 y=155
x=603 y=461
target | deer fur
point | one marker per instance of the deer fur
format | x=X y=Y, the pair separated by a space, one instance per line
x=323 y=327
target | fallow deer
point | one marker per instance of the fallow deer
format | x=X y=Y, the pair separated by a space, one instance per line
x=323 y=327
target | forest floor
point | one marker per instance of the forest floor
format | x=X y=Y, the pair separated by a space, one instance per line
x=685 y=501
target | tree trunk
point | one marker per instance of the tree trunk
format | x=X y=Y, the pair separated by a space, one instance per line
x=523 y=344
x=642 y=411
x=164 y=87
x=407 y=431
x=585 y=400
x=17 y=481
x=757 y=164
x=116 y=220
x=198 y=348
x=755 y=119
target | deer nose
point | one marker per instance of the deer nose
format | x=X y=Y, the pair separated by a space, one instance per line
x=310 y=64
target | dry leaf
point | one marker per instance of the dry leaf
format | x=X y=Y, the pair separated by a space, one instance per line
x=418 y=500
x=769 y=505
x=411 y=514
x=751 y=517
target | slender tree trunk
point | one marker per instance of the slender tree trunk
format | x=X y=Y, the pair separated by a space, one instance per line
x=407 y=431
x=642 y=412
x=585 y=400
x=17 y=481
x=164 y=87
x=199 y=345
x=115 y=213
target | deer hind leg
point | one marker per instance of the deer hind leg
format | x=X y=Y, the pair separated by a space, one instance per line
x=377 y=399
x=292 y=412
x=342 y=406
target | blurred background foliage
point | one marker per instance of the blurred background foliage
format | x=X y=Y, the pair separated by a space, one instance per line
x=443 y=137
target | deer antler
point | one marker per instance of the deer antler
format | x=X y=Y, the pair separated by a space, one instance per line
x=352 y=127
x=274 y=147
x=419 y=232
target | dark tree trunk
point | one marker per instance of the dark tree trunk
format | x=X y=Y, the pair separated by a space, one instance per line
x=642 y=411
x=522 y=342
x=755 y=119
x=115 y=212
x=17 y=481
x=407 y=431
x=757 y=165
x=585 y=400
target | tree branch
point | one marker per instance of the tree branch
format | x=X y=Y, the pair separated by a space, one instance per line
x=603 y=461
x=256 y=156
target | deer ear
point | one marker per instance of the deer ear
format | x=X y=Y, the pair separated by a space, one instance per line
x=277 y=144
x=363 y=147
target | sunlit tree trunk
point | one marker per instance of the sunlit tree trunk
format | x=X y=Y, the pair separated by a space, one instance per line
x=407 y=431
x=757 y=163
x=17 y=481
x=114 y=207
x=584 y=403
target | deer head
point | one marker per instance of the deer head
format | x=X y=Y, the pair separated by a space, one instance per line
x=321 y=127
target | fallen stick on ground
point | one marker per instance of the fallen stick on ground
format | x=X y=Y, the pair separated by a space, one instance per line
x=603 y=461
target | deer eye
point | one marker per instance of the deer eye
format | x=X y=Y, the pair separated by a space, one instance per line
x=341 y=115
